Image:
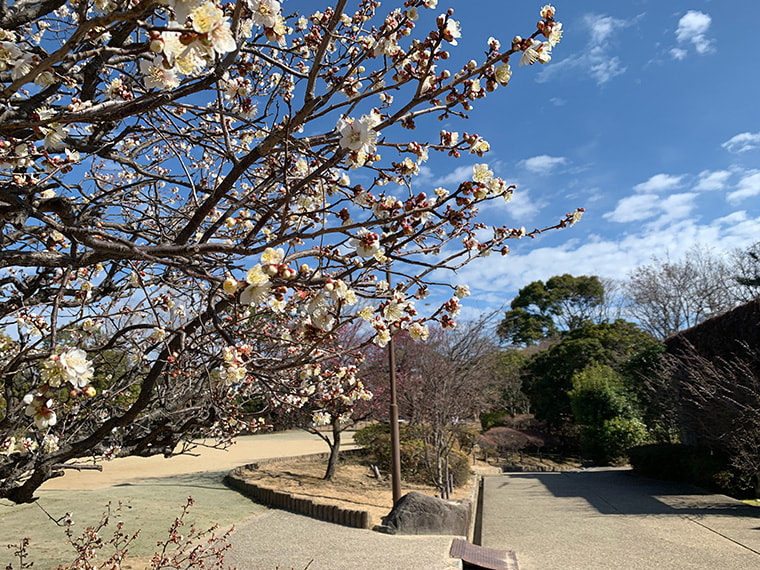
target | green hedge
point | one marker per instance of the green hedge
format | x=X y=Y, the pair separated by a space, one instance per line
x=688 y=464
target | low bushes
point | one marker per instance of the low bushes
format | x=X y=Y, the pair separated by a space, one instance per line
x=689 y=464
x=375 y=439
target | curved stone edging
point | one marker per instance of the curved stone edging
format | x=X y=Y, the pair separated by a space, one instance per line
x=287 y=502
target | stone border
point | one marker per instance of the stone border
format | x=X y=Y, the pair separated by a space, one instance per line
x=287 y=502
x=476 y=507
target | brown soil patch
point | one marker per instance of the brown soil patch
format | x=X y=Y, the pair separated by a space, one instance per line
x=354 y=486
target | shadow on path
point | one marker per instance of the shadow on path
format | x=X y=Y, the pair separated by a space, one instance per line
x=642 y=496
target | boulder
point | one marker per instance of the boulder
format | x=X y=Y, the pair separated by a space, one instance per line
x=416 y=513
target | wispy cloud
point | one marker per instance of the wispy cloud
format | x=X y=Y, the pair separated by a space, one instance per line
x=602 y=27
x=542 y=164
x=659 y=183
x=523 y=206
x=742 y=142
x=748 y=187
x=674 y=208
x=596 y=60
x=648 y=203
x=692 y=29
x=455 y=177
x=633 y=209
x=597 y=255
x=709 y=181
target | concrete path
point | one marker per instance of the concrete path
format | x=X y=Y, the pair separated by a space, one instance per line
x=612 y=519
x=278 y=539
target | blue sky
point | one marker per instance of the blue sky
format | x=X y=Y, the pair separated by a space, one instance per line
x=647 y=116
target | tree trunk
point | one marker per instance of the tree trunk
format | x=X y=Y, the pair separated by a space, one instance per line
x=332 y=462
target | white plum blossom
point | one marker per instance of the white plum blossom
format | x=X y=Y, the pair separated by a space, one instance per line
x=462 y=291
x=272 y=256
x=322 y=320
x=547 y=11
x=8 y=446
x=230 y=285
x=503 y=74
x=266 y=13
x=254 y=294
x=383 y=336
x=39 y=407
x=256 y=276
x=50 y=443
x=358 y=134
x=321 y=418
x=210 y=21
x=157 y=75
x=536 y=51
x=452 y=31
x=70 y=366
x=555 y=35
x=393 y=311
x=418 y=331
x=367 y=243
x=481 y=173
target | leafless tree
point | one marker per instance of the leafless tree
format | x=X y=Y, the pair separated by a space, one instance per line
x=719 y=403
x=668 y=296
x=745 y=271
x=446 y=381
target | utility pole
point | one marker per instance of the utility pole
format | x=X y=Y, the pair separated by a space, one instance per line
x=395 y=434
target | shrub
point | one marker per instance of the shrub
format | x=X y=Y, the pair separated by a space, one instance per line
x=698 y=466
x=492 y=419
x=459 y=468
x=609 y=443
x=504 y=419
x=375 y=439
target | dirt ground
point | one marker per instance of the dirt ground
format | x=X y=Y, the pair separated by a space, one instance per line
x=246 y=449
x=354 y=486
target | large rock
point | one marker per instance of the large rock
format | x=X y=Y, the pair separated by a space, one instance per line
x=416 y=513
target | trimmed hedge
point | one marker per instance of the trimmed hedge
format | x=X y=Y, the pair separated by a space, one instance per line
x=688 y=464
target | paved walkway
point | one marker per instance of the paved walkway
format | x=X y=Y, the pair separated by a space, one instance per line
x=278 y=539
x=612 y=519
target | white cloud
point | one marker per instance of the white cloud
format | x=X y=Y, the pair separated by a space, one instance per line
x=640 y=207
x=659 y=183
x=596 y=255
x=692 y=28
x=634 y=209
x=678 y=53
x=522 y=207
x=742 y=142
x=675 y=207
x=748 y=186
x=456 y=177
x=603 y=68
x=543 y=163
x=596 y=60
x=709 y=181
x=557 y=102
x=602 y=27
